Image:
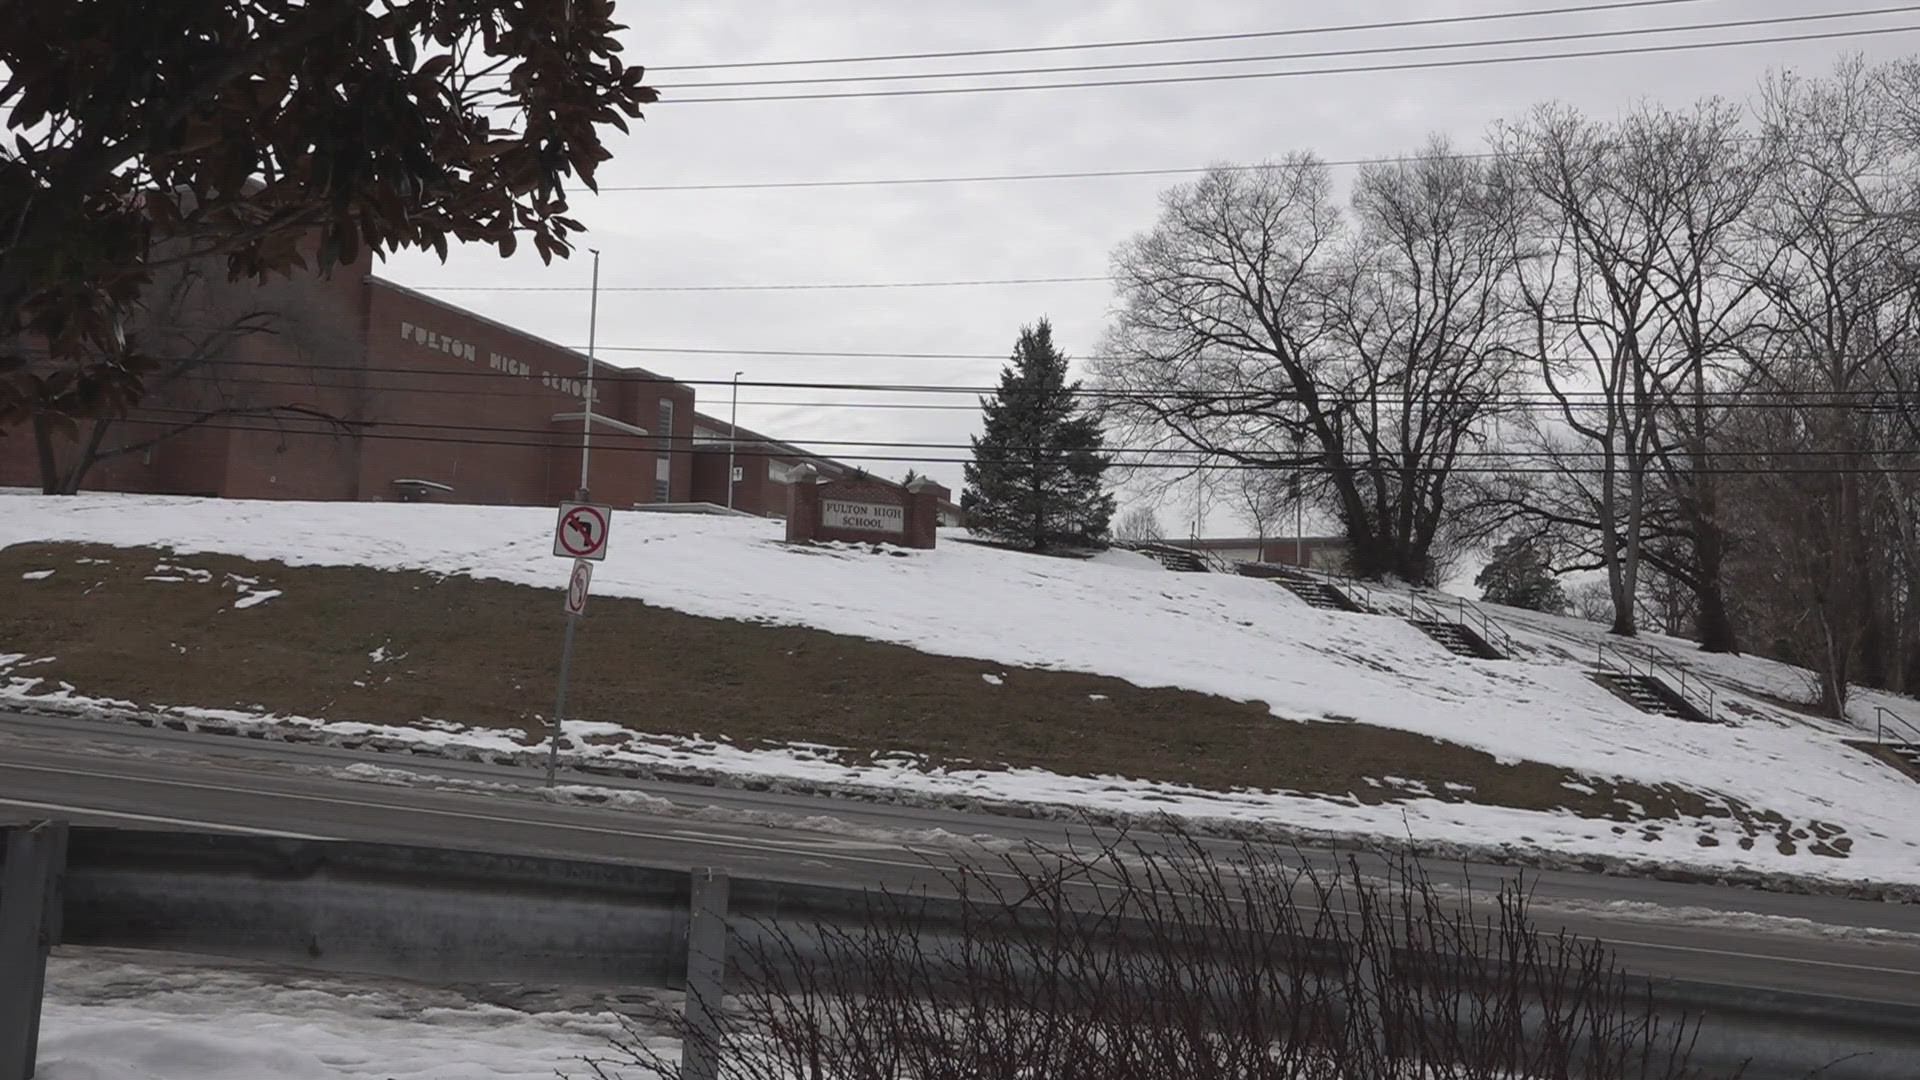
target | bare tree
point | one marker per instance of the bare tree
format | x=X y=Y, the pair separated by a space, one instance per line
x=1838 y=220
x=188 y=328
x=1132 y=962
x=1626 y=274
x=1257 y=329
x=1699 y=177
x=1139 y=525
x=1265 y=498
x=1592 y=601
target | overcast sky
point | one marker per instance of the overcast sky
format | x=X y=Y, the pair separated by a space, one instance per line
x=1028 y=229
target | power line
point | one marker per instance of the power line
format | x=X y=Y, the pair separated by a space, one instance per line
x=827 y=353
x=979 y=178
x=328 y=429
x=783 y=287
x=1089 y=174
x=1321 y=54
x=1872 y=399
x=1396 y=24
x=683 y=443
x=625 y=375
x=1418 y=65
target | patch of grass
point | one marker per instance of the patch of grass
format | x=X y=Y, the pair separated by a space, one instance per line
x=485 y=653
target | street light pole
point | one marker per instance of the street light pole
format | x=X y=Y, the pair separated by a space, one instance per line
x=1299 y=552
x=586 y=412
x=733 y=437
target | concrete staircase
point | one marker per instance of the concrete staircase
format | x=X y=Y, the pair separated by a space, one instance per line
x=1178 y=559
x=1654 y=687
x=1460 y=625
x=1908 y=753
x=1319 y=594
x=1458 y=639
x=1650 y=694
x=1896 y=741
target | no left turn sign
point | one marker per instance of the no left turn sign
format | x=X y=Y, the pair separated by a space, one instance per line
x=581 y=532
x=577 y=587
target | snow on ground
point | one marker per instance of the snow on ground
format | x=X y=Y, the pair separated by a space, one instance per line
x=1238 y=637
x=143 y=1016
x=1126 y=560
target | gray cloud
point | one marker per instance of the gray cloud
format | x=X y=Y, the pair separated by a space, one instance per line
x=996 y=230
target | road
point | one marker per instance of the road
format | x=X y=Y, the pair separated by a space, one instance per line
x=105 y=773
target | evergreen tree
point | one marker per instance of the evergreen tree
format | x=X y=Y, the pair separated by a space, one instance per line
x=1517 y=576
x=1035 y=476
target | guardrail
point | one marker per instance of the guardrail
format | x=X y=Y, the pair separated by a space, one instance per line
x=439 y=915
x=1459 y=609
x=1697 y=695
x=1905 y=733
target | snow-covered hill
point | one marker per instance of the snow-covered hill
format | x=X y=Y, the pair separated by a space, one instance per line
x=1238 y=637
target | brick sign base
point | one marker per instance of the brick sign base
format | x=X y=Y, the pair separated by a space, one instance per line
x=861 y=511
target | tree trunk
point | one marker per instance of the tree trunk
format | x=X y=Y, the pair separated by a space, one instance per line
x=43 y=445
x=1039 y=509
x=89 y=455
x=1834 y=672
x=1625 y=608
x=1713 y=622
x=1619 y=590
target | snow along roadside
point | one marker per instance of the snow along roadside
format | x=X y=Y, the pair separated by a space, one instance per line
x=116 y=1015
x=494 y=748
x=1636 y=911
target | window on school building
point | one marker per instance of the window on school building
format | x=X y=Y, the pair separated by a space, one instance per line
x=663 y=461
x=777 y=471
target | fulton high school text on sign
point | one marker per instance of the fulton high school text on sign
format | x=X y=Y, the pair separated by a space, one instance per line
x=868 y=517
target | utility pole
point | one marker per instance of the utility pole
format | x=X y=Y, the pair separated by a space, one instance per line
x=586 y=446
x=1199 y=494
x=733 y=437
x=586 y=413
x=1299 y=513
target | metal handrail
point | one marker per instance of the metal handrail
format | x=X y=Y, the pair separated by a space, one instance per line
x=1490 y=631
x=1466 y=613
x=1881 y=714
x=1362 y=593
x=1215 y=561
x=1702 y=698
x=1419 y=607
x=1157 y=548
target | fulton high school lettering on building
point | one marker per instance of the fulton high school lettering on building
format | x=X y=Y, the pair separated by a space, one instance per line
x=401 y=396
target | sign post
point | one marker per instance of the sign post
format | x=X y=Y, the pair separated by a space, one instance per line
x=580 y=534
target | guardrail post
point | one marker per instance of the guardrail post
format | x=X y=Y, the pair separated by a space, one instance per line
x=29 y=927
x=706 y=976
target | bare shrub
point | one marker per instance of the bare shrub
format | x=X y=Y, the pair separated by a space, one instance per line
x=1170 y=963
